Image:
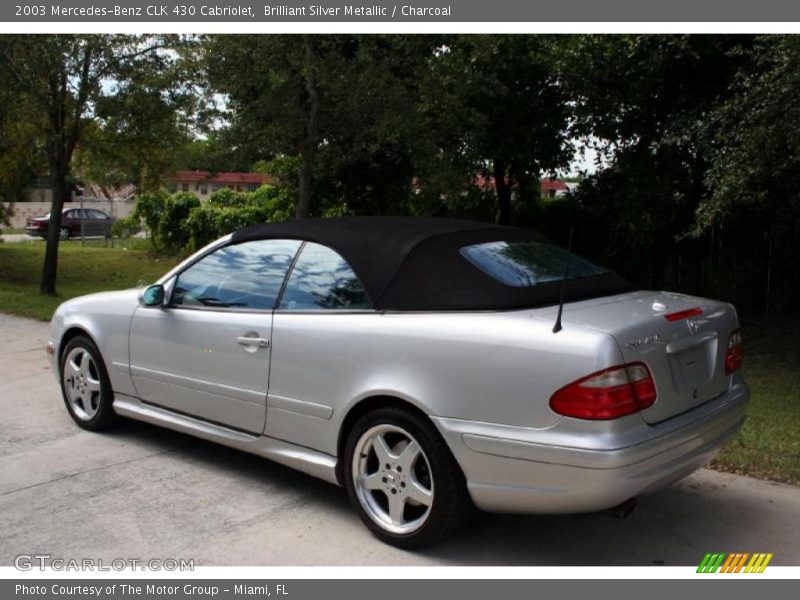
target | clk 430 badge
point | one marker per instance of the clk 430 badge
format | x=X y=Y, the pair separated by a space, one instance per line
x=650 y=339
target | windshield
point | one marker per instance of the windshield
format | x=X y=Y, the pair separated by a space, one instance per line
x=528 y=264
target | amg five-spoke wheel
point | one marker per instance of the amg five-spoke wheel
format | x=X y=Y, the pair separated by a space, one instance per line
x=82 y=383
x=392 y=478
x=85 y=385
x=402 y=477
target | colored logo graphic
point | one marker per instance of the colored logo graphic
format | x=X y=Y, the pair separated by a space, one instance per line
x=734 y=563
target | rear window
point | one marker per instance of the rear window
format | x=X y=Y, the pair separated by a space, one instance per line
x=527 y=263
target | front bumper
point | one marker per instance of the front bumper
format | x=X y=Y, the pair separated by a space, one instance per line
x=35 y=232
x=52 y=351
x=585 y=466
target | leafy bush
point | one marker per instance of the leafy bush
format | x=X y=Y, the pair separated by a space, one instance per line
x=202 y=225
x=181 y=223
x=234 y=218
x=4 y=214
x=126 y=227
x=172 y=231
x=226 y=197
x=150 y=208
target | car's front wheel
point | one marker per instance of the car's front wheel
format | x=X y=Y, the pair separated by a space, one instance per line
x=85 y=385
x=403 y=479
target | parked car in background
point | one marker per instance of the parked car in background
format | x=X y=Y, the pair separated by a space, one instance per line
x=423 y=364
x=75 y=222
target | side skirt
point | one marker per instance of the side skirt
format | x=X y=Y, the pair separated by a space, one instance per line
x=311 y=462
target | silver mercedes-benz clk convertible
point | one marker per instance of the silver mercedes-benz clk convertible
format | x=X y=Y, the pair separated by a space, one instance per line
x=426 y=365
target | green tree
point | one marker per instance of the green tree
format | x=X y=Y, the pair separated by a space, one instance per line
x=755 y=139
x=272 y=85
x=511 y=107
x=646 y=101
x=61 y=84
x=348 y=108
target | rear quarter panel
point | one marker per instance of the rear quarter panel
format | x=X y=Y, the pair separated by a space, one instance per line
x=491 y=367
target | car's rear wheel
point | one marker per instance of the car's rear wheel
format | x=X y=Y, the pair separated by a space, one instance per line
x=63 y=233
x=85 y=385
x=403 y=479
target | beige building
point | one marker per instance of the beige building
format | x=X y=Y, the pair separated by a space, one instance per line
x=205 y=183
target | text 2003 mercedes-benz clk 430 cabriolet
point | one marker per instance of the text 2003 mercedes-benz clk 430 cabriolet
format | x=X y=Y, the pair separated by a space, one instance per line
x=423 y=364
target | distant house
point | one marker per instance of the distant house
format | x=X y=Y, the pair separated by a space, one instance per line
x=552 y=188
x=205 y=183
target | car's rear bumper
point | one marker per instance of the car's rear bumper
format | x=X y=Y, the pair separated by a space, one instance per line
x=585 y=466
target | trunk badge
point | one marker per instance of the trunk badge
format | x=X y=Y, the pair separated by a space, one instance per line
x=650 y=339
x=692 y=325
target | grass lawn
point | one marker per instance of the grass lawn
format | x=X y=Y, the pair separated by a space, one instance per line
x=769 y=443
x=768 y=446
x=81 y=270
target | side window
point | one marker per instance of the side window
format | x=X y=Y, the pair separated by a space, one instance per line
x=246 y=276
x=321 y=279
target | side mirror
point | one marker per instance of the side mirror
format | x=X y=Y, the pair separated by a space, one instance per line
x=152 y=295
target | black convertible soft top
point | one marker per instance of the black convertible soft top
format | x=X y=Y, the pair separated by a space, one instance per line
x=414 y=263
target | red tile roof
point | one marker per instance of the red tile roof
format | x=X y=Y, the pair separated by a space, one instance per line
x=546 y=184
x=554 y=184
x=220 y=178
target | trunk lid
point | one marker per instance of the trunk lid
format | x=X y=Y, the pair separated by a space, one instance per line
x=686 y=356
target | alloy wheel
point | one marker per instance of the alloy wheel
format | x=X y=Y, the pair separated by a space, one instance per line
x=393 y=479
x=82 y=383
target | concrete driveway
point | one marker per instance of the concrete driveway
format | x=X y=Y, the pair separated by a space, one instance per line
x=142 y=492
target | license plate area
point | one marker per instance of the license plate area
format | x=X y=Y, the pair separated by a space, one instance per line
x=693 y=362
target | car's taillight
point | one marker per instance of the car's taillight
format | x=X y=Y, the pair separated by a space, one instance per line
x=733 y=357
x=607 y=394
x=683 y=314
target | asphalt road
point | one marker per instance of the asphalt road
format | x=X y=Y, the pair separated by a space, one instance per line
x=143 y=492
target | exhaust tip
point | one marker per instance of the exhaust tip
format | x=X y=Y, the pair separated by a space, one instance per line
x=622 y=510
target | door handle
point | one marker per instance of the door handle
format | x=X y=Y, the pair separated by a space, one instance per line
x=253 y=341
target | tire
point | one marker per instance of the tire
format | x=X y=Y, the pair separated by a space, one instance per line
x=379 y=477
x=85 y=385
x=63 y=233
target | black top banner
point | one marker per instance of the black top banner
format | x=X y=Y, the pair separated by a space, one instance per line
x=195 y=11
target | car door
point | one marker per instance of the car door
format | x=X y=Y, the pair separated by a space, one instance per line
x=95 y=222
x=323 y=316
x=72 y=220
x=206 y=353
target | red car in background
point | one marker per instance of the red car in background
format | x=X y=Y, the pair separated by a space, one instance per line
x=74 y=223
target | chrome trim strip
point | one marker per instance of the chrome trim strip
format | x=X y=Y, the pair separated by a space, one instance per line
x=301 y=407
x=311 y=462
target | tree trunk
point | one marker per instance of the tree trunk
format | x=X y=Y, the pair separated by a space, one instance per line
x=304 y=188
x=58 y=183
x=309 y=146
x=502 y=186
